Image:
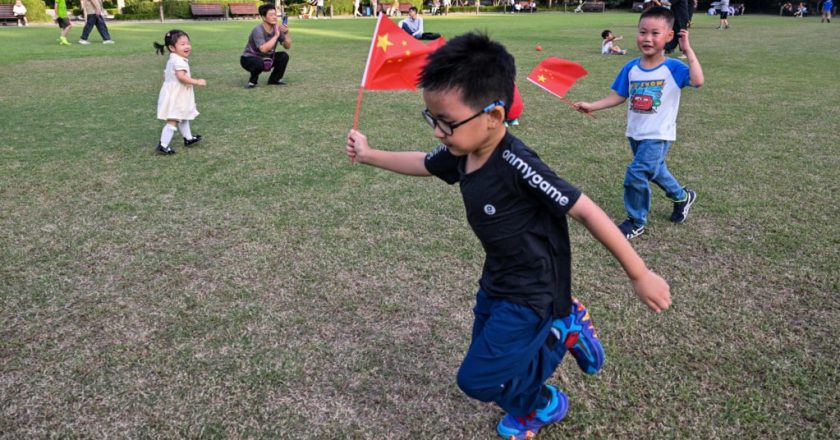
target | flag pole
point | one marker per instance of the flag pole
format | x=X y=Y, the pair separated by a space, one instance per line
x=572 y=106
x=364 y=77
x=358 y=107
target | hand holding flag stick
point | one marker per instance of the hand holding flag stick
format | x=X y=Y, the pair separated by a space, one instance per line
x=556 y=76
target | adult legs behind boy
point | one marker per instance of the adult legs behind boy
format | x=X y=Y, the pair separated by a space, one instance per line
x=681 y=16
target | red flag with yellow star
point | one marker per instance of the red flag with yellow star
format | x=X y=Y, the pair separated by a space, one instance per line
x=556 y=75
x=395 y=58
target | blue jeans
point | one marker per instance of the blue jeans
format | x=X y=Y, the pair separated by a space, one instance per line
x=648 y=166
x=95 y=19
x=509 y=358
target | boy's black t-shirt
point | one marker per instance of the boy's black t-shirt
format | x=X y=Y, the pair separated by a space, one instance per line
x=517 y=207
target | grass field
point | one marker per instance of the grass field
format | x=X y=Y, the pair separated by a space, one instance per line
x=259 y=286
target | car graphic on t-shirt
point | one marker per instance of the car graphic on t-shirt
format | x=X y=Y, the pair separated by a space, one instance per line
x=645 y=95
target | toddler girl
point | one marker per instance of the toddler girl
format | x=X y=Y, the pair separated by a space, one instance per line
x=176 y=102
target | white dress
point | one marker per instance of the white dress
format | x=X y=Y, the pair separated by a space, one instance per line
x=176 y=99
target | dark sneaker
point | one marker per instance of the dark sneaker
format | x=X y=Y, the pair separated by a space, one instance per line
x=164 y=150
x=681 y=208
x=250 y=85
x=519 y=428
x=578 y=334
x=630 y=230
x=189 y=142
x=279 y=82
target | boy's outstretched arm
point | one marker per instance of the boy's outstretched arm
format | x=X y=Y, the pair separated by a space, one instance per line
x=649 y=287
x=611 y=100
x=695 y=71
x=412 y=163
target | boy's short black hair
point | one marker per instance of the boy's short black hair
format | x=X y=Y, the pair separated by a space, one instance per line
x=659 y=12
x=265 y=7
x=605 y=33
x=481 y=69
x=413 y=8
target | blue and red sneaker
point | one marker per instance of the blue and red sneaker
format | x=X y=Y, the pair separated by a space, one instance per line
x=520 y=428
x=578 y=334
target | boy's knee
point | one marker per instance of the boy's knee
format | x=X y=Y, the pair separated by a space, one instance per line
x=472 y=387
x=637 y=176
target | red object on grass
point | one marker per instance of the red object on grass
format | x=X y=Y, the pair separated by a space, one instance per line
x=516 y=106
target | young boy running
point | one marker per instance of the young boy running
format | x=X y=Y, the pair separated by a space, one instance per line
x=653 y=83
x=63 y=22
x=525 y=317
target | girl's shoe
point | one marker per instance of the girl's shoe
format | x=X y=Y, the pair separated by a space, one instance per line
x=519 y=428
x=164 y=150
x=578 y=334
x=196 y=139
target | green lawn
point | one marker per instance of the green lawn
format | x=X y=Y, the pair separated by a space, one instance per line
x=259 y=286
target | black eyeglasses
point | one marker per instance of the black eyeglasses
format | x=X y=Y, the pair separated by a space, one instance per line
x=448 y=128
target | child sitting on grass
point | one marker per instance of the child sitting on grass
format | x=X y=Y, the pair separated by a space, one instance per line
x=525 y=318
x=608 y=46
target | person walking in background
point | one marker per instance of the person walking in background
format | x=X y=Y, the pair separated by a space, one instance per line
x=63 y=21
x=94 y=16
x=356 y=12
x=176 y=101
x=319 y=9
x=724 y=14
x=826 y=11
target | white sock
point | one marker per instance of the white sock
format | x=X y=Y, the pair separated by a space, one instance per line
x=166 y=134
x=184 y=128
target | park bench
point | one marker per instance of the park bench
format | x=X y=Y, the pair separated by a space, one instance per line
x=6 y=14
x=207 y=10
x=593 y=6
x=525 y=5
x=243 y=9
x=404 y=7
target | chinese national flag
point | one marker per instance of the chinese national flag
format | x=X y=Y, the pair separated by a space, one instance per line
x=556 y=76
x=395 y=58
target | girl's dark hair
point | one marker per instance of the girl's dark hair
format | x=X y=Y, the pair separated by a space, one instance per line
x=481 y=69
x=169 y=39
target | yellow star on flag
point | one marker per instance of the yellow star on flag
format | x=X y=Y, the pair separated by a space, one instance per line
x=383 y=42
x=541 y=78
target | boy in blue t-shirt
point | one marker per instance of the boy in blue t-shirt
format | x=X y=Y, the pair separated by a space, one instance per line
x=525 y=317
x=653 y=83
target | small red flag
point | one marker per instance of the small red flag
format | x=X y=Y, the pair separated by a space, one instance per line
x=396 y=58
x=556 y=75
